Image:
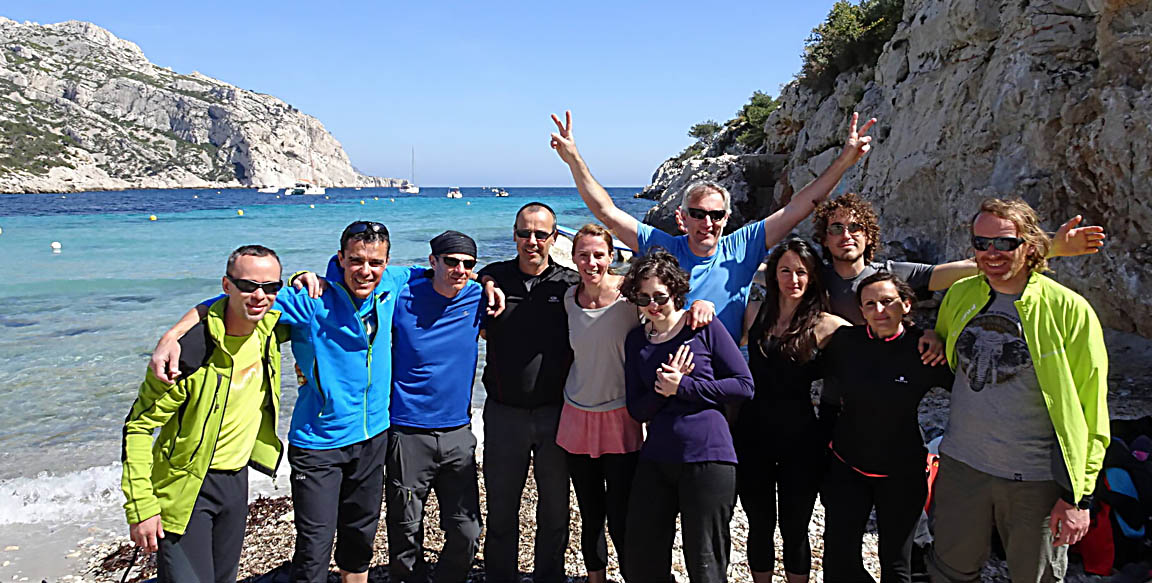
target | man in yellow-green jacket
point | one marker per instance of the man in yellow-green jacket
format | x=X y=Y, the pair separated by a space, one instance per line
x=187 y=492
x=1028 y=424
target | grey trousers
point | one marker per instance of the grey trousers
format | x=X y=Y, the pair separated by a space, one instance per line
x=440 y=460
x=968 y=504
x=513 y=438
x=209 y=549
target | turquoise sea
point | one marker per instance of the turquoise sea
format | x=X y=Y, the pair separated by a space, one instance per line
x=78 y=323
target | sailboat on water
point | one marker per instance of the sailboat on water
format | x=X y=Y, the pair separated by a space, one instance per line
x=409 y=186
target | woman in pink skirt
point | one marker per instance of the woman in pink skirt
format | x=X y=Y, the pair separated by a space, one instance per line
x=601 y=438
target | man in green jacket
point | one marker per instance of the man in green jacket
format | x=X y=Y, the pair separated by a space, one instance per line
x=1028 y=425
x=187 y=492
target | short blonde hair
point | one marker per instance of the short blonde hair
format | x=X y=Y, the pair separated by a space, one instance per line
x=1027 y=227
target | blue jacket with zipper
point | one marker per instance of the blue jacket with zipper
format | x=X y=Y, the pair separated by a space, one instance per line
x=345 y=396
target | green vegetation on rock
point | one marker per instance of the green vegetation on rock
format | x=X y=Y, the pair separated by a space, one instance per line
x=852 y=36
x=753 y=116
x=705 y=130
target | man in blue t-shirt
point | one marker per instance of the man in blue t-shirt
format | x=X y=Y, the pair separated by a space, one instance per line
x=436 y=326
x=721 y=266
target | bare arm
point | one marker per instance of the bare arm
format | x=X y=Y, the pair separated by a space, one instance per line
x=623 y=225
x=165 y=362
x=946 y=274
x=780 y=223
x=826 y=325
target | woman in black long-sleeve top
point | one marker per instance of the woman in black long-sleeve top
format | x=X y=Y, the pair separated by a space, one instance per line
x=878 y=450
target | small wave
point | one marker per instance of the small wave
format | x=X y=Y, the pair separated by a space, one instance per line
x=68 y=497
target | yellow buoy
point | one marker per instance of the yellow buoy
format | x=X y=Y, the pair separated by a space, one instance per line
x=1 y=231
x=375 y=198
x=468 y=203
x=325 y=198
x=311 y=206
x=277 y=196
x=151 y=217
x=361 y=202
x=195 y=196
x=240 y=212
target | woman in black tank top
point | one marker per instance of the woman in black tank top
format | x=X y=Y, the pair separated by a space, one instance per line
x=778 y=443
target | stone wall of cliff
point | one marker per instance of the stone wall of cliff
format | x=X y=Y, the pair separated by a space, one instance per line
x=81 y=109
x=1048 y=100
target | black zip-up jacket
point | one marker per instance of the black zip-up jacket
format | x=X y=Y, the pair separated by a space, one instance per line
x=528 y=355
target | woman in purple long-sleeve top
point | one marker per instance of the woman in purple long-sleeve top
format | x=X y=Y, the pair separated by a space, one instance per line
x=678 y=381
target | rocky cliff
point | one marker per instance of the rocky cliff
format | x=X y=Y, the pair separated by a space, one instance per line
x=81 y=109
x=1048 y=100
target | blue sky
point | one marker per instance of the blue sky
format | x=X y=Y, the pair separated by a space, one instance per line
x=470 y=85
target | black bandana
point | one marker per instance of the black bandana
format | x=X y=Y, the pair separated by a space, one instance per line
x=453 y=242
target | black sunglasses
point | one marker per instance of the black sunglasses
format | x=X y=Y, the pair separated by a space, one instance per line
x=699 y=214
x=645 y=299
x=1000 y=243
x=526 y=233
x=839 y=228
x=248 y=286
x=454 y=261
x=362 y=226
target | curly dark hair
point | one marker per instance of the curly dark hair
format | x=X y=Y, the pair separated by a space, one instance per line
x=663 y=266
x=860 y=209
x=905 y=291
x=798 y=341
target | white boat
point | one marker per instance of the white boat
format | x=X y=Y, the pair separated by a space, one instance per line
x=500 y=192
x=454 y=192
x=409 y=186
x=303 y=187
x=268 y=190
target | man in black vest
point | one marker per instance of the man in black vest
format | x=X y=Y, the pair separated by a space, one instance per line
x=527 y=361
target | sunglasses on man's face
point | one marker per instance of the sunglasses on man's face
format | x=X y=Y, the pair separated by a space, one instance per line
x=248 y=286
x=1000 y=243
x=643 y=300
x=837 y=229
x=452 y=262
x=699 y=214
x=528 y=233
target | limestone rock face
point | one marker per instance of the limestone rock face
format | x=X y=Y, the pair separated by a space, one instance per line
x=1047 y=100
x=81 y=109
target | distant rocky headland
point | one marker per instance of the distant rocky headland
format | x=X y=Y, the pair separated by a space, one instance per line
x=1047 y=100
x=81 y=109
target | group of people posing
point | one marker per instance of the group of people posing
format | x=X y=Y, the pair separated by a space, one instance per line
x=632 y=391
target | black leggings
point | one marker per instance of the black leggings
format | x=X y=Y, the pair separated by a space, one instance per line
x=790 y=485
x=703 y=494
x=602 y=486
x=848 y=499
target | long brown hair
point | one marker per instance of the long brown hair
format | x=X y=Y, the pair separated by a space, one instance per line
x=798 y=342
